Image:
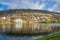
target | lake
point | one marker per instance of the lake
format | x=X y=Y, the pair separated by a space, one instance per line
x=43 y=29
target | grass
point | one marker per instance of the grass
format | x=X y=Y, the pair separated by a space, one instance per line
x=55 y=36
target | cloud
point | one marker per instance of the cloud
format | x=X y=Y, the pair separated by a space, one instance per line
x=53 y=8
x=10 y=5
x=58 y=1
x=56 y=7
x=32 y=4
x=36 y=6
x=26 y=4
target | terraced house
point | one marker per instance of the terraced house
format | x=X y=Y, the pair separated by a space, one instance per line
x=27 y=15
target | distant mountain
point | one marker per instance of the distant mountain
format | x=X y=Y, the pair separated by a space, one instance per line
x=36 y=10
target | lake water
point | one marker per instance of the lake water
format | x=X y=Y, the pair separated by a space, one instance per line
x=28 y=28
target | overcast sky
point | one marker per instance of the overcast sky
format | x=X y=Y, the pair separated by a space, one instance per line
x=50 y=5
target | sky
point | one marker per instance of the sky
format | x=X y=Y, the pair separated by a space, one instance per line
x=50 y=5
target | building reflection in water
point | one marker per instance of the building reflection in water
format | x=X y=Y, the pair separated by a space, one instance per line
x=29 y=28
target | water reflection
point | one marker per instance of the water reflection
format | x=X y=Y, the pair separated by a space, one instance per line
x=28 y=28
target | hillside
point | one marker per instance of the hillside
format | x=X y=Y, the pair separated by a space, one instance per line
x=28 y=15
